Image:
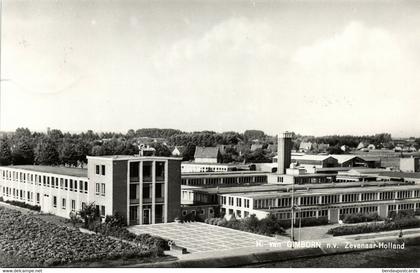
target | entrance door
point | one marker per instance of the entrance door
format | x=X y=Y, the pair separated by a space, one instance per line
x=146 y=216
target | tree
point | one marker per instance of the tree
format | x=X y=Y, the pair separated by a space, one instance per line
x=250 y=135
x=161 y=150
x=5 y=152
x=68 y=154
x=334 y=150
x=188 y=153
x=22 y=152
x=46 y=152
x=89 y=214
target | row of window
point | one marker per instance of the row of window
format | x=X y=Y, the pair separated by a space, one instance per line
x=100 y=169
x=147 y=171
x=100 y=189
x=333 y=199
x=146 y=191
x=47 y=181
x=224 y=180
x=21 y=194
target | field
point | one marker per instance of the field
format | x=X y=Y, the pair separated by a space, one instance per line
x=28 y=241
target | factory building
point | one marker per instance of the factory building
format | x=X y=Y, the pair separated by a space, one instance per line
x=145 y=189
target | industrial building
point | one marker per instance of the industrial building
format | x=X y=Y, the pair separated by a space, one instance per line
x=143 y=188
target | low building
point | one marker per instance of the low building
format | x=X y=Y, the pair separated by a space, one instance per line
x=145 y=189
x=350 y=161
x=194 y=167
x=312 y=162
x=305 y=146
x=207 y=155
x=178 y=150
x=227 y=178
x=410 y=164
x=330 y=203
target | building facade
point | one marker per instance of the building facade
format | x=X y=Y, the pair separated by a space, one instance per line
x=143 y=189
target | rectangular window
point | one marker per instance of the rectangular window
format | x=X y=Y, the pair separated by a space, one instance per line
x=80 y=186
x=75 y=185
x=134 y=171
x=73 y=205
x=54 y=201
x=147 y=171
x=134 y=191
x=146 y=191
x=102 y=210
x=159 y=190
x=103 y=169
x=37 y=198
x=66 y=184
x=97 y=169
x=160 y=171
x=61 y=183
x=97 y=192
x=44 y=180
x=63 y=203
x=86 y=187
x=103 y=189
x=71 y=184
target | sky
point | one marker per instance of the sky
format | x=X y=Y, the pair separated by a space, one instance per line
x=312 y=67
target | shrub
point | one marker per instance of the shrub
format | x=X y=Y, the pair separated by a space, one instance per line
x=23 y=205
x=399 y=222
x=360 y=217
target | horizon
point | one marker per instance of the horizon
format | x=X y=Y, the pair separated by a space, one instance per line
x=316 y=68
x=184 y=131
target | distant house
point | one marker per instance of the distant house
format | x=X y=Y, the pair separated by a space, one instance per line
x=361 y=145
x=371 y=147
x=412 y=149
x=207 y=155
x=178 y=150
x=350 y=161
x=305 y=146
x=223 y=148
x=321 y=147
x=345 y=148
x=255 y=147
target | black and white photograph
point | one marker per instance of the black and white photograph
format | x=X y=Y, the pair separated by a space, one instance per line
x=204 y=134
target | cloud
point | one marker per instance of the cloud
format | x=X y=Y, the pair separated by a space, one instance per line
x=355 y=49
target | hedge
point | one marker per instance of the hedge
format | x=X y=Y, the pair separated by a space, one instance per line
x=22 y=205
x=375 y=227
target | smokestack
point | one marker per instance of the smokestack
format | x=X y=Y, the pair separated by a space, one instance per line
x=284 y=152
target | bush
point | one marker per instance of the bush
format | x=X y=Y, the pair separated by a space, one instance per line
x=23 y=205
x=267 y=226
x=360 y=217
x=399 y=221
x=113 y=227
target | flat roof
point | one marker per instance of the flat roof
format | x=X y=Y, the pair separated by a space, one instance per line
x=215 y=164
x=314 y=192
x=131 y=157
x=78 y=172
x=222 y=174
x=267 y=188
x=400 y=174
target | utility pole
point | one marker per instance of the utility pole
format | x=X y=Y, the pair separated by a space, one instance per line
x=292 y=230
x=1 y=19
